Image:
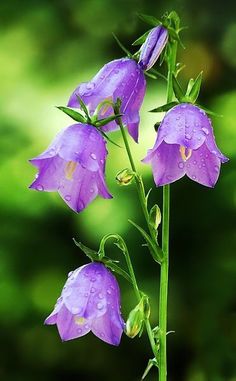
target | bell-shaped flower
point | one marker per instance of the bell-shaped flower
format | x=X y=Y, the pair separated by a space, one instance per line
x=90 y=301
x=73 y=165
x=152 y=47
x=122 y=78
x=185 y=144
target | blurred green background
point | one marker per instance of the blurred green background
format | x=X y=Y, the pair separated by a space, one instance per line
x=46 y=49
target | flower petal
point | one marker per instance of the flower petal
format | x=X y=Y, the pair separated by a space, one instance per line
x=152 y=47
x=203 y=166
x=51 y=171
x=67 y=327
x=108 y=328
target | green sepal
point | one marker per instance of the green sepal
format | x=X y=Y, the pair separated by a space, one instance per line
x=91 y=254
x=108 y=138
x=190 y=85
x=209 y=112
x=154 y=74
x=165 y=107
x=122 y=46
x=117 y=269
x=155 y=250
x=151 y=20
x=73 y=114
x=175 y=36
x=155 y=217
x=194 y=88
x=179 y=67
x=83 y=106
x=141 y=39
x=179 y=93
x=156 y=332
x=156 y=126
x=104 y=121
x=151 y=363
x=147 y=195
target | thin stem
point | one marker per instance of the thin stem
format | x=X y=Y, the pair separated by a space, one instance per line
x=165 y=242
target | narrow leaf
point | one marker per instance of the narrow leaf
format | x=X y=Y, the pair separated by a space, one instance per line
x=165 y=107
x=122 y=46
x=83 y=106
x=177 y=89
x=109 y=139
x=72 y=113
x=194 y=92
x=155 y=74
x=149 y=19
x=155 y=250
x=104 y=121
x=209 y=112
x=141 y=39
x=92 y=254
x=117 y=269
x=151 y=363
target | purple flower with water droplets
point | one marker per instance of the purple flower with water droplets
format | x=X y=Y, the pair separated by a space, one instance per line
x=185 y=144
x=90 y=301
x=122 y=78
x=73 y=165
x=152 y=47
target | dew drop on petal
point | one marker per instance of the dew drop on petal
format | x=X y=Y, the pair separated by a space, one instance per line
x=75 y=310
x=216 y=168
x=205 y=130
x=93 y=280
x=86 y=294
x=194 y=162
x=100 y=306
x=93 y=156
x=79 y=330
x=93 y=289
x=80 y=205
x=70 y=273
x=188 y=136
x=68 y=197
x=91 y=190
x=181 y=165
x=109 y=291
x=194 y=177
x=40 y=188
x=100 y=296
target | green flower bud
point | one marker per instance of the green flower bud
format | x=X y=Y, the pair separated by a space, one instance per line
x=155 y=216
x=137 y=316
x=125 y=177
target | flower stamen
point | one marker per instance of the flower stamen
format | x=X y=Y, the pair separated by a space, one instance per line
x=185 y=153
x=70 y=169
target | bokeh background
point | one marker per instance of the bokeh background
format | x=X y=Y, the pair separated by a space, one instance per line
x=46 y=49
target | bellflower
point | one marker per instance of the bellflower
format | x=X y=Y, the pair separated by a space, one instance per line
x=185 y=144
x=152 y=47
x=73 y=165
x=122 y=78
x=90 y=301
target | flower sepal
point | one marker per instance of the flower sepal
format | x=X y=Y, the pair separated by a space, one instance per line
x=136 y=318
x=151 y=363
x=125 y=177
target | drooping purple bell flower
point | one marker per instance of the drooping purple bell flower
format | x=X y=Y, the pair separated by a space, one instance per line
x=90 y=301
x=122 y=78
x=185 y=144
x=73 y=165
x=152 y=47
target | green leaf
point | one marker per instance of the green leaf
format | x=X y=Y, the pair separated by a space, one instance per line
x=149 y=19
x=117 y=269
x=122 y=46
x=108 y=139
x=209 y=112
x=179 y=67
x=141 y=39
x=83 y=106
x=194 y=92
x=73 y=114
x=177 y=89
x=155 y=250
x=104 y=121
x=165 y=107
x=190 y=85
x=92 y=254
x=151 y=363
x=148 y=194
x=152 y=73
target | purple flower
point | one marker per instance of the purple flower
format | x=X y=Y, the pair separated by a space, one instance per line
x=90 y=301
x=74 y=166
x=152 y=47
x=122 y=78
x=185 y=145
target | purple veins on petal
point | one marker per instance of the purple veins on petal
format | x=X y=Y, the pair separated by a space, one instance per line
x=74 y=165
x=122 y=78
x=90 y=301
x=185 y=144
x=152 y=47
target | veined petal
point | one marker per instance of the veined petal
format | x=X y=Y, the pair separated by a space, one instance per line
x=152 y=47
x=67 y=326
x=108 y=328
x=203 y=166
x=51 y=171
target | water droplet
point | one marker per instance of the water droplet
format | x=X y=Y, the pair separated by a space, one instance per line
x=188 y=136
x=91 y=190
x=116 y=71
x=70 y=273
x=93 y=280
x=102 y=334
x=102 y=76
x=81 y=205
x=194 y=162
x=100 y=306
x=181 y=165
x=90 y=85
x=193 y=177
x=183 y=106
x=93 y=289
x=205 y=130
x=86 y=326
x=93 y=156
x=68 y=197
x=109 y=291
x=206 y=156
x=169 y=177
x=214 y=152
x=75 y=310
x=100 y=296
x=40 y=188
x=51 y=152
x=79 y=330
x=102 y=161
x=199 y=166
x=216 y=168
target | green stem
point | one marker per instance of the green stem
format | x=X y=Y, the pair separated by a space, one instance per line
x=165 y=243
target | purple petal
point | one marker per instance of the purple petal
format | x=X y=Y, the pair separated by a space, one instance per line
x=152 y=47
x=67 y=326
x=167 y=165
x=108 y=328
x=51 y=171
x=203 y=166
x=121 y=78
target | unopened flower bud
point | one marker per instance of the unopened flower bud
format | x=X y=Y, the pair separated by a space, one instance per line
x=152 y=47
x=134 y=322
x=125 y=177
x=155 y=216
